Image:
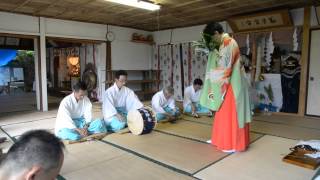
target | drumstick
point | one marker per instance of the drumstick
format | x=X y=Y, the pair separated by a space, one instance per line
x=87 y=138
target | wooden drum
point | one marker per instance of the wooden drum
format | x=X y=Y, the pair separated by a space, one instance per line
x=141 y=121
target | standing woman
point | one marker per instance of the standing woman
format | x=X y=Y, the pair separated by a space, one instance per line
x=226 y=91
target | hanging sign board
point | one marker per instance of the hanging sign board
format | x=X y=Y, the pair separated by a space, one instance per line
x=260 y=21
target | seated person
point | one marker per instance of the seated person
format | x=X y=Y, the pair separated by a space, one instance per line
x=74 y=119
x=163 y=104
x=117 y=101
x=36 y=155
x=192 y=98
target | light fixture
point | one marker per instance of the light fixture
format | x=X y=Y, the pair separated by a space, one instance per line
x=73 y=60
x=138 y=3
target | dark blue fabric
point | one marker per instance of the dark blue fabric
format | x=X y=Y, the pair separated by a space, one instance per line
x=7 y=55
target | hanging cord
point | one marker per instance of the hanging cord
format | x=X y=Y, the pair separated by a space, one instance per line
x=158 y=72
x=171 y=33
x=85 y=54
x=172 y=65
x=316 y=12
x=94 y=56
x=158 y=20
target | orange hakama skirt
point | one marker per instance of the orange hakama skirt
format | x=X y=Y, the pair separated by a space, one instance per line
x=226 y=134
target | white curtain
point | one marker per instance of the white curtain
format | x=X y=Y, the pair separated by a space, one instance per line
x=175 y=74
x=186 y=64
x=165 y=58
x=177 y=77
x=199 y=61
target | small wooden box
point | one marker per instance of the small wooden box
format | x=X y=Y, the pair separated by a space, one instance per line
x=298 y=158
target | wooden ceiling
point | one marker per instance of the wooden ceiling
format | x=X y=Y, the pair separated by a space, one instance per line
x=173 y=13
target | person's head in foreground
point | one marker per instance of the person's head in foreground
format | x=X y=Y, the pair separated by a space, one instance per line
x=80 y=90
x=37 y=155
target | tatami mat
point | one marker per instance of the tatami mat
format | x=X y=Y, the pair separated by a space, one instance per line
x=178 y=146
x=186 y=155
x=307 y=122
x=7 y=144
x=274 y=125
x=17 y=102
x=97 y=114
x=188 y=129
x=292 y=132
x=83 y=155
x=18 y=129
x=262 y=161
x=126 y=166
x=202 y=120
x=19 y=117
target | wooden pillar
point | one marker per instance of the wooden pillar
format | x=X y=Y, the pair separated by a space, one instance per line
x=304 y=62
x=108 y=64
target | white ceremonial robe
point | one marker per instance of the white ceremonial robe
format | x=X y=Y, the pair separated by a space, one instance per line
x=159 y=102
x=190 y=96
x=70 y=109
x=115 y=97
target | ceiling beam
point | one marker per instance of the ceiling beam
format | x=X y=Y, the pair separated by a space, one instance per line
x=96 y=13
x=174 y=11
x=20 y=5
x=209 y=17
x=76 y=6
x=38 y=11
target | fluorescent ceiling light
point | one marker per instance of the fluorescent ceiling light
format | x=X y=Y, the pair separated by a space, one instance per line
x=138 y=3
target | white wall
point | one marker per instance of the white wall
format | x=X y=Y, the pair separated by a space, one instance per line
x=18 y=24
x=127 y=54
x=131 y=56
x=73 y=29
x=181 y=35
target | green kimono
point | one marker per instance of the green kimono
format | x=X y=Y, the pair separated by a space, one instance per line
x=224 y=69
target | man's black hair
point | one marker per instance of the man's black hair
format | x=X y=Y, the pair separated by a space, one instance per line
x=198 y=82
x=121 y=73
x=80 y=85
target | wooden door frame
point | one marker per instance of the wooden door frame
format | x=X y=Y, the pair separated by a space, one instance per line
x=308 y=71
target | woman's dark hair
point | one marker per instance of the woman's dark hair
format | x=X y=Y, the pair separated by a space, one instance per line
x=212 y=27
x=208 y=32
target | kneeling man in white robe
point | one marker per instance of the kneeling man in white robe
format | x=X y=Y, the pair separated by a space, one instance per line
x=117 y=102
x=163 y=104
x=74 y=119
x=191 y=100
